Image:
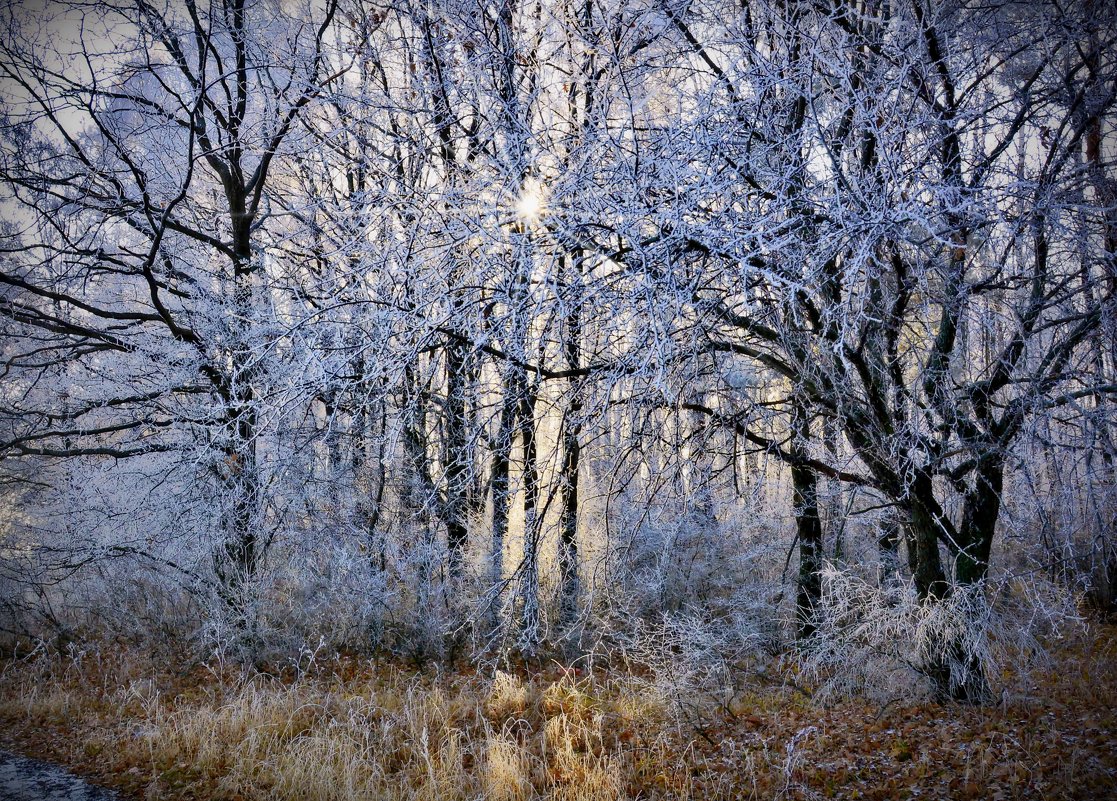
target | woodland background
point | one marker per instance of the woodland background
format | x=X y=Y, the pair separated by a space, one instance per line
x=667 y=335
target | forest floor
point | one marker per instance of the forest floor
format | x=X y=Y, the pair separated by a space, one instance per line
x=357 y=728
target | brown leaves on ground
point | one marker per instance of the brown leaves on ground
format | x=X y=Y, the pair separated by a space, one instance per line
x=370 y=729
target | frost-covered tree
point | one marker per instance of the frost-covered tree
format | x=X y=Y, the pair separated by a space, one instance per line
x=140 y=144
x=906 y=232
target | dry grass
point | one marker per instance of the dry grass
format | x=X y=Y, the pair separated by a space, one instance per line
x=376 y=733
x=370 y=730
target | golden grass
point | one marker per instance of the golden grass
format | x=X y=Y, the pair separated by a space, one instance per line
x=370 y=730
x=384 y=734
x=508 y=696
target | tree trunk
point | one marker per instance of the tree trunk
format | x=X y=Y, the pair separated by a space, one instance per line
x=570 y=589
x=923 y=541
x=888 y=545
x=458 y=457
x=956 y=673
x=982 y=507
x=238 y=557
x=979 y=522
x=808 y=525
x=530 y=617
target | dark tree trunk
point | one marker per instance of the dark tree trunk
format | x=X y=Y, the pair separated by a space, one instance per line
x=530 y=620
x=808 y=525
x=458 y=457
x=570 y=589
x=370 y=495
x=955 y=672
x=238 y=556
x=924 y=528
x=888 y=545
x=568 y=532
x=979 y=522
x=982 y=507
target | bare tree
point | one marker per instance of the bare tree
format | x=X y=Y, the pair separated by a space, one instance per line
x=139 y=179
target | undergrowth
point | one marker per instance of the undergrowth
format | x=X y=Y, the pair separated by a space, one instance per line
x=343 y=728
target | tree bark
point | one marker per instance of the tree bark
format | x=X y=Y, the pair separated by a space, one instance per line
x=531 y=631
x=569 y=583
x=808 y=525
x=457 y=456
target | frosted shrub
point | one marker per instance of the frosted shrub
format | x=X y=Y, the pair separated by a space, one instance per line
x=127 y=601
x=687 y=661
x=668 y=562
x=884 y=643
x=693 y=601
x=333 y=595
x=675 y=562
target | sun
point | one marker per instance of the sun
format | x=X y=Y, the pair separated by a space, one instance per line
x=532 y=201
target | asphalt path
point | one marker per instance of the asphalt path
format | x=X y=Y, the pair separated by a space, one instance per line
x=23 y=779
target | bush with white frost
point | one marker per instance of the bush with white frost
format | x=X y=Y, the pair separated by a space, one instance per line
x=881 y=641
